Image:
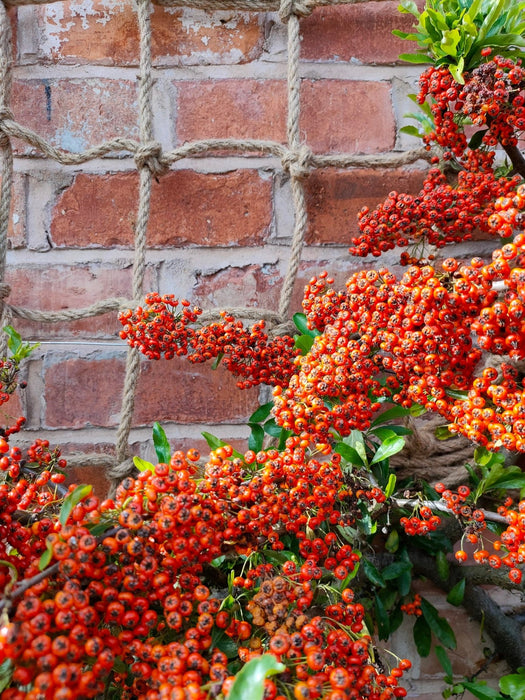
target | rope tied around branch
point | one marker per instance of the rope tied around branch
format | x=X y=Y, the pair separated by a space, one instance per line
x=299 y=8
x=149 y=155
x=298 y=162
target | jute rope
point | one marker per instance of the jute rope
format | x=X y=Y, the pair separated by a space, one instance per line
x=151 y=161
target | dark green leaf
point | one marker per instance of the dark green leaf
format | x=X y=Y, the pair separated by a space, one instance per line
x=476 y=139
x=382 y=432
x=215 y=442
x=224 y=643
x=217 y=361
x=481 y=690
x=395 y=569
x=271 y=428
x=261 y=413
x=391 y=485
x=249 y=682
x=445 y=662
x=372 y=573
x=404 y=583
x=72 y=499
x=256 y=438
x=415 y=58
x=395 y=619
x=438 y=625
x=161 y=444
x=442 y=565
x=383 y=622
x=442 y=432
x=278 y=557
x=457 y=593
x=422 y=636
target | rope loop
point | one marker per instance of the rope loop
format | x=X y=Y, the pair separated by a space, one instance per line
x=5 y=113
x=300 y=8
x=149 y=155
x=298 y=162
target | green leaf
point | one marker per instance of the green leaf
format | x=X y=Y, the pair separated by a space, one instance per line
x=256 y=438
x=391 y=485
x=271 y=428
x=442 y=565
x=6 y=673
x=450 y=41
x=72 y=499
x=373 y=574
x=18 y=348
x=383 y=432
x=477 y=139
x=457 y=593
x=411 y=130
x=383 y=623
x=392 y=542
x=161 y=444
x=304 y=343
x=215 y=442
x=261 y=413
x=249 y=682
x=389 y=447
x=445 y=663
x=415 y=58
x=481 y=690
x=390 y=414
x=45 y=557
x=224 y=643
x=302 y=326
x=438 y=625
x=395 y=570
x=513 y=685
x=409 y=6
x=422 y=636
x=142 y=465
x=349 y=454
x=442 y=432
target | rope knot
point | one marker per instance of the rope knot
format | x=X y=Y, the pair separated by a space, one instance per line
x=300 y=8
x=298 y=162
x=5 y=113
x=149 y=155
x=5 y=290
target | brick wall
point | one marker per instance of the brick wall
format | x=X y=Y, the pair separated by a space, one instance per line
x=220 y=226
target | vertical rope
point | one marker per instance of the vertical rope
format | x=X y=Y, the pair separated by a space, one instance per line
x=294 y=138
x=6 y=61
x=145 y=181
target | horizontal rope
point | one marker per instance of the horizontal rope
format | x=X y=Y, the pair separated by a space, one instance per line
x=151 y=154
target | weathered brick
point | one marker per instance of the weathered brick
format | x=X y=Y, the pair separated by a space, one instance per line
x=231 y=108
x=334 y=198
x=16 y=231
x=361 y=32
x=257 y=109
x=82 y=392
x=54 y=288
x=87 y=474
x=175 y=390
x=105 y=31
x=76 y=114
x=187 y=208
x=347 y=116
x=250 y=285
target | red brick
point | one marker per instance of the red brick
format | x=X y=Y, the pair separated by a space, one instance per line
x=81 y=392
x=257 y=109
x=89 y=474
x=334 y=198
x=54 y=288
x=336 y=116
x=87 y=392
x=251 y=285
x=361 y=32
x=76 y=114
x=16 y=230
x=175 y=390
x=187 y=208
x=107 y=33
x=231 y=108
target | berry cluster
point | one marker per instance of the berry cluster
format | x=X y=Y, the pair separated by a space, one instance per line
x=157 y=330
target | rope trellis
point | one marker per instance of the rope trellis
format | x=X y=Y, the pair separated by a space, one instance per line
x=151 y=161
